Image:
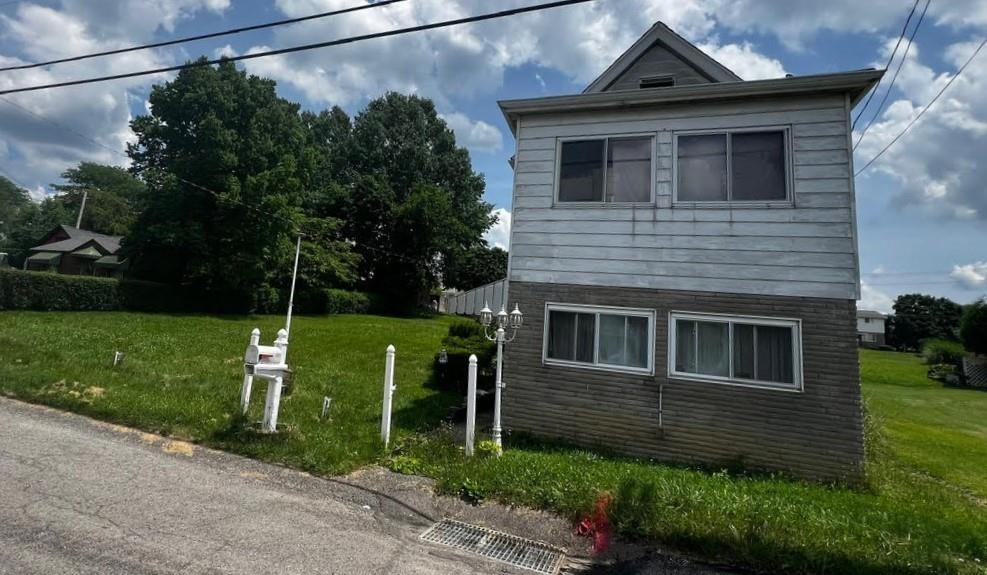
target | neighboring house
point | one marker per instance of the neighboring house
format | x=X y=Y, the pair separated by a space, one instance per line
x=684 y=249
x=68 y=250
x=870 y=328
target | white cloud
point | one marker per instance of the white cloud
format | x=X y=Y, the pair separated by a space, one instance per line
x=465 y=61
x=475 y=135
x=744 y=60
x=938 y=164
x=40 y=151
x=971 y=276
x=874 y=299
x=499 y=235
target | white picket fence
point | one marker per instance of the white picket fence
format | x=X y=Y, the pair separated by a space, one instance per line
x=471 y=302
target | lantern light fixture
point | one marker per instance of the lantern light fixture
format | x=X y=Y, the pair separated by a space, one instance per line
x=486 y=315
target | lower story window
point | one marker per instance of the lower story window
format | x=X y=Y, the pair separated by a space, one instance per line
x=761 y=352
x=608 y=338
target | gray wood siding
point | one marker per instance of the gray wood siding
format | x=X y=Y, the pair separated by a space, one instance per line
x=816 y=433
x=658 y=61
x=807 y=248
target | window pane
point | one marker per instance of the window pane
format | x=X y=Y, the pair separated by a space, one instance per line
x=612 y=339
x=562 y=335
x=685 y=346
x=743 y=351
x=702 y=168
x=581 y=171
x=629 y=170
x=713 y=350
x=758 y=162
x=585 y=336
x=638 y=342
x=774 y=354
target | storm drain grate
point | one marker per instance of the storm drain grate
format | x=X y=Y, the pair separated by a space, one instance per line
x=510 y=549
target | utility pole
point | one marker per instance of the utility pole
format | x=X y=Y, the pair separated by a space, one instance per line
x=82 y=208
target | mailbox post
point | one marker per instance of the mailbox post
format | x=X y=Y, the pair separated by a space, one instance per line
x=248 y=378
x=267 y=362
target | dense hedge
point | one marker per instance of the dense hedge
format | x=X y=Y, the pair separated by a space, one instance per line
x=54 y=292
x=464 y=339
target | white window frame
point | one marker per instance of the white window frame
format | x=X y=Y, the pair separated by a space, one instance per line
x=796 y=325
x=597 y=310
x=789 y=200
x=557 y=183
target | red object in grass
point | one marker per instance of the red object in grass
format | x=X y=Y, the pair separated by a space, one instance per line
x=597 y=524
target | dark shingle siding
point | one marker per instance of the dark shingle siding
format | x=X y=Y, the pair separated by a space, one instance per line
x=817 y=433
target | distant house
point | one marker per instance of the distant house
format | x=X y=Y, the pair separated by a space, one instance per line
x=870 y=328
x=69 y=250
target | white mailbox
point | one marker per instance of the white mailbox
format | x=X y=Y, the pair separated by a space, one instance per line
x=262 y=355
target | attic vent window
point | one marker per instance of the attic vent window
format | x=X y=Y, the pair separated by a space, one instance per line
x=657 y=81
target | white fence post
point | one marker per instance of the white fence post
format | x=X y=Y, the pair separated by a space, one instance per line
x=471 y=407
x=389 y=387
x=248 y=380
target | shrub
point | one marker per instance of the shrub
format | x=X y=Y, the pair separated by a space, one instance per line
x=53 y=292
x=973 y=327
x=139 y=295
x=45 y=291
x=342 y=301
x=466 y=338
x=937 y=351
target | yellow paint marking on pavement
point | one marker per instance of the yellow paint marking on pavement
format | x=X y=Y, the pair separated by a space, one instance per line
x=253 y=475
x=179 y=448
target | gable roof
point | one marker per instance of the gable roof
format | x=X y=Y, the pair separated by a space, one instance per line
x=78 y=238
x=855 y=84
x=661 y=34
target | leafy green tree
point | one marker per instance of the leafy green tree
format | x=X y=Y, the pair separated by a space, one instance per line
x=114 y=197
x=475 y=267
x=229 y=167
x=919 y=316
x=14 y=202
x=412 y=197
x=973 y=327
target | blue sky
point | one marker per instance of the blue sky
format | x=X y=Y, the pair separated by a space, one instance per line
x=922 y=208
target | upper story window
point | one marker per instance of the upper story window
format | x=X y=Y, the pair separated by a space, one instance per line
x=741 y=166
x=606 y=170
x=756 y=352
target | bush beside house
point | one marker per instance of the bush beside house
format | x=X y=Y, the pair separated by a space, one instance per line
x=465 y=338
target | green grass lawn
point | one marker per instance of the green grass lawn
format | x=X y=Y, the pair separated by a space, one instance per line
x=182 y=376
x=923 y=510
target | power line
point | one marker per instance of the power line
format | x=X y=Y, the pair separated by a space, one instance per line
x=924 y=110
x=228 y=32
x=901 y=36
x=901 y=64
x=337 y=42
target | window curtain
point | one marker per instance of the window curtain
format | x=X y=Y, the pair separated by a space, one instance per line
x=774 y=354
x=561 y=327
x=713 y=349
x=629 y=170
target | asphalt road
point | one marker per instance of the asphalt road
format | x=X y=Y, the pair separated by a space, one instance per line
x=82 y=496
x=77 y=496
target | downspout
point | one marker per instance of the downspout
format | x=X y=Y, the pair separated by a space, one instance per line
x=510 y=235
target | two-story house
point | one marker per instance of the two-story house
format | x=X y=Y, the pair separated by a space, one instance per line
x=684 y=246
x=870 y=328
